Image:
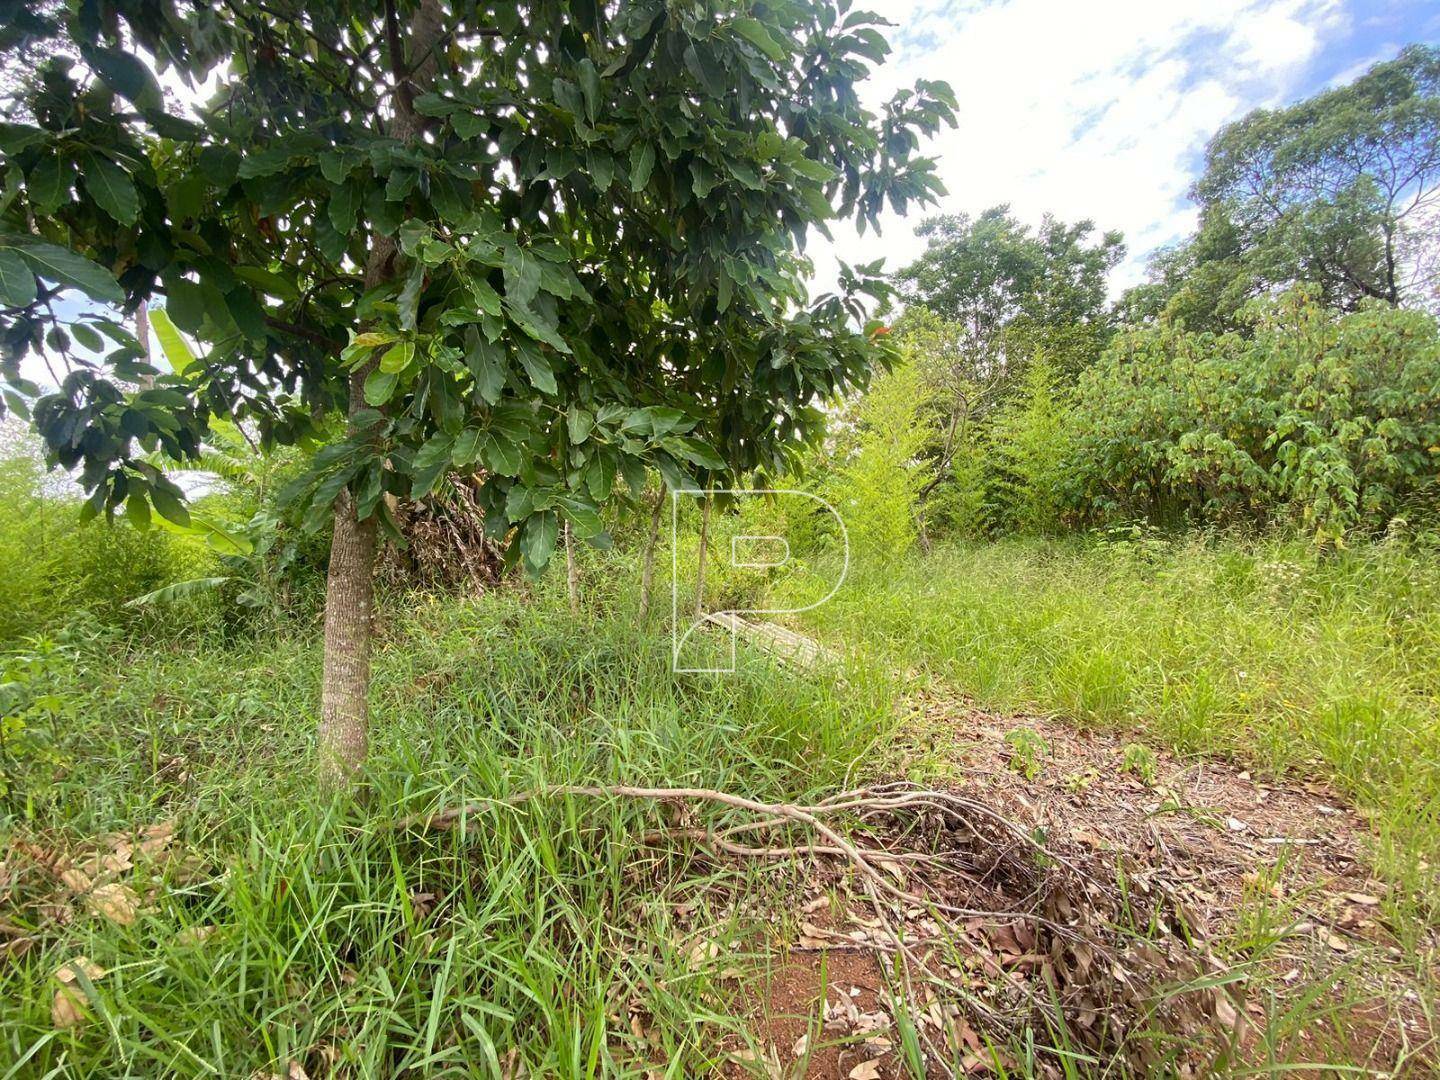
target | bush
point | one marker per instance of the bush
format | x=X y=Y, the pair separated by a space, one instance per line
x=1328 y=422
x=53 y=568
x=876 y=482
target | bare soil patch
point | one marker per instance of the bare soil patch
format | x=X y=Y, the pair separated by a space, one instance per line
x=1255 y=888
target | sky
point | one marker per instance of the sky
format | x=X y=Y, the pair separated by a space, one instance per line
x=1101 y=109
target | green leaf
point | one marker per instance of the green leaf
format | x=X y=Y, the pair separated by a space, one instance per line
x=642 y=161
x=584 y=519
x=268 y=282
x=522 y=275
x=171 y=342
x=431 y=461
x=485 y=296
x=467 y=447
x=537 y=539
x=137 y=509
x=169 y=506
x=754 y=31
x=408 y=305
x=63 y=266
x=124 y=73
x=486 y=362
x=813 y=170
x=542 y=376
x=590 y=84
x=179 y=591
x=111 y=188
x=379 y=387
x=500 y=456
x=469 y=125
x=17 y=281
x=87 y=337
x=48 y=182
x=343 y=204
x=695 y=451
x=16 y=403
x=579 y=423
x=397 y=358
x=185 y=305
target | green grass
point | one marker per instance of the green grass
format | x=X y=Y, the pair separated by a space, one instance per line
x=551 y=923
x=1263 y=651
x=360 y=949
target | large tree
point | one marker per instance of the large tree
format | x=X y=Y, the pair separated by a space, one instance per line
x=1011 y=290
x=559 y=241
x=1341 y=190
x=988 y=296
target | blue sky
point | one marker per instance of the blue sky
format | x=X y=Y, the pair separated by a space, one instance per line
x=1101 y=109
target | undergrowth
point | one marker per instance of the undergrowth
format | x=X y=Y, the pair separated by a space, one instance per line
x=1292 y=661
x=356 y=948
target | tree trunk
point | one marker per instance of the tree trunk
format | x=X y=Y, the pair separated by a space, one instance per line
x=349 y=607
x=572 y=573
x=142 y=333
x=647 y=576
x=700 y=573
x=343 y=737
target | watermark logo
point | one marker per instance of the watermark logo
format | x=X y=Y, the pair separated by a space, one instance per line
x=692 y=650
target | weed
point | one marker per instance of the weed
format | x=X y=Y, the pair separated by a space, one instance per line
x=1140 y=761
x=1028 y=751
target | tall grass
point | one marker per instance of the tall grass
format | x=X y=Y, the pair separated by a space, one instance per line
x=52 y=567
x=359 y=948
x=1264 y=650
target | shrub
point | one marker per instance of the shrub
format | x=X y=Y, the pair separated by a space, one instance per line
x=52 y=569
x=1025 y=466
x=1328 y=422
x=878 y=478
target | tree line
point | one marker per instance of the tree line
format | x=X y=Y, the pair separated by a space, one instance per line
x=1279 y=367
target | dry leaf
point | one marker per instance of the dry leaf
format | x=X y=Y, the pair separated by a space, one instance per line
x=802 y=1045
x=75 y=879
x=866 y=1070
x=296 y=1071
x=155 y=838
x=69 y=1007
x=1363 y=899
x=193 y=935
x=702 y=951
x=118 y=903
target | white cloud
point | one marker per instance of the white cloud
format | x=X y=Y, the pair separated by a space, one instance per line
x=1091 y=110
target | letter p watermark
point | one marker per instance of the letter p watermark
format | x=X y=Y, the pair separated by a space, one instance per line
x=743 y=551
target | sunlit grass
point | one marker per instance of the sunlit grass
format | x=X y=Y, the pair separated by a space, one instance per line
x=548 y=925
x=1324 y=666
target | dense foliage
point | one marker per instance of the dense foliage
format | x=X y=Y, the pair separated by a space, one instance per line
x=1338 y=190
x=1329 y=422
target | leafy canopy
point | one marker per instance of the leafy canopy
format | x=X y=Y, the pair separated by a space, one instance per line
x=1339 y=190
x=598 y=215
x=1011 y=290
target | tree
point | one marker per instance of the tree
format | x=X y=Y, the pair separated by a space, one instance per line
x=1011 y=291
x=558 y=241
x=1340 y=190
x=986 y=297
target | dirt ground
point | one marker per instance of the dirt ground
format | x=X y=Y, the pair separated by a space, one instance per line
x=1268 y=880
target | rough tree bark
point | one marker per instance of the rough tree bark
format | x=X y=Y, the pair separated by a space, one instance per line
x=647 y=576
x=343 y=737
